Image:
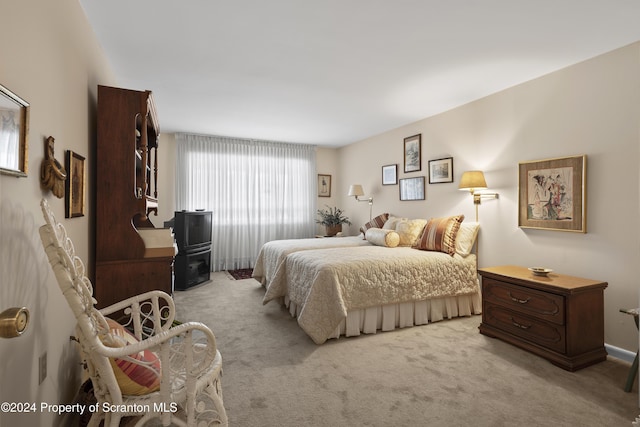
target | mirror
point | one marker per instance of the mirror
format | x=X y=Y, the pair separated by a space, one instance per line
x=14 y=129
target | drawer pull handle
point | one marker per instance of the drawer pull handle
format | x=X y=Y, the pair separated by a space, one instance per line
x=518 y=300
x=519 y=325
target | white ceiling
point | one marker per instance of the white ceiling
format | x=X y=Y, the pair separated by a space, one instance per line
x=332 y=72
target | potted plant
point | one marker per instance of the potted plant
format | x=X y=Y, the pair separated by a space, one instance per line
x=332 y=219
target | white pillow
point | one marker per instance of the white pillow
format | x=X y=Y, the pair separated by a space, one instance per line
x=392 y=222
x=466 y=237
x=382 y=237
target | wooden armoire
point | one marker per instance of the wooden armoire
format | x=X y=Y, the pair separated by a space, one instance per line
x=132 y=255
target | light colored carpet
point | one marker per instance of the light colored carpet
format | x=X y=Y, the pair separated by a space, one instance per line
x=442 y=374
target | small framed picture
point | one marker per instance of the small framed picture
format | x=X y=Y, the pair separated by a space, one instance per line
x=441 y=170
x=14 y=132
x=324 y=185
x=413 y=153
x=75 y=200
x=390 y=174
x=412 y=188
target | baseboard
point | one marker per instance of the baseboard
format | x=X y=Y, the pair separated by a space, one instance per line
x=620 y=353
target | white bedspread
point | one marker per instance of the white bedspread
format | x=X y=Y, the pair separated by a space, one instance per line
x=326 y=283
x=272 y=254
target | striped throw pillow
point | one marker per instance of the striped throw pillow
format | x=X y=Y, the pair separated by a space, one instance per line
x=440 y=234
x=376 y=222
x=138 y=373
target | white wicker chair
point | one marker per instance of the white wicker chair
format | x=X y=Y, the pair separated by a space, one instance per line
x=190 y=389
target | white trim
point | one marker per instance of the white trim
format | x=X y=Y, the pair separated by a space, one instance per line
x=620 y=353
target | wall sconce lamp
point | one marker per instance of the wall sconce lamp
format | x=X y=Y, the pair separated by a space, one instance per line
x=13 y=322
x=473 y=181
x=357 y=191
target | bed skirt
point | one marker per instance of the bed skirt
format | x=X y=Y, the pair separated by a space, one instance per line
x=401 y=315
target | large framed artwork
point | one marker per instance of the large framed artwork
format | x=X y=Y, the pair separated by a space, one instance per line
x=324 y=185
x=552 y=194
x=75 y=191
x=441 y=170
x=413 y=153
x=412 y=188
x=14 y=132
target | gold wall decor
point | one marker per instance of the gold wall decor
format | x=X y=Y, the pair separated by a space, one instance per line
x=52 y=173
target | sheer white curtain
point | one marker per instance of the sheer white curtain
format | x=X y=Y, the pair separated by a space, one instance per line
x=257 y=190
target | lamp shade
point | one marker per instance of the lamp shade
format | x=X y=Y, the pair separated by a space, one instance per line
x=356 y=190
x=472 y=180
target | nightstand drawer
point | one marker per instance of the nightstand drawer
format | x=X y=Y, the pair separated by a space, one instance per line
x=529 y=328
x=541 y=305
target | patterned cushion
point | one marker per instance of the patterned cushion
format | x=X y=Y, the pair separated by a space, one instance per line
x=409 y=230
x=382 y=237
x=440 y=234
x=133 y=378
x=376 y=222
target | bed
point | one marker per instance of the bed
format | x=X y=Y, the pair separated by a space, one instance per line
x=349 y=290
x=272 y=254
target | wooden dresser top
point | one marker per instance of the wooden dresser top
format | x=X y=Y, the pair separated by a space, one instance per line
x=552 y=281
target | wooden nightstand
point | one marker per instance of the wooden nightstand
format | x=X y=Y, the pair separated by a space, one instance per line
x=558 y=317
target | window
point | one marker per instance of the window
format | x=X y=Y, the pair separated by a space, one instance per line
x=257 y=190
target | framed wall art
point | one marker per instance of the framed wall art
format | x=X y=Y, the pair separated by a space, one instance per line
x=412 y=188
x=75 y=185
x=441 y=170
x=14 y=132
x=390 y=174
x=413 y=153
x=324 y=185
x=552 y=194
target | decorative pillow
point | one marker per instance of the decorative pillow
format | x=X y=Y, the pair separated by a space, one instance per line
x=376 y=222
x=466 y=237
x=409 y=230
x=133 y=378
x=391 y=223
x=440 y=234
x=382 y=237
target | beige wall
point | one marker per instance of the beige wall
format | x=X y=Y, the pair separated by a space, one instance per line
x=327 y=164
x=591 y=108
x=166 y=177
x=52 y=60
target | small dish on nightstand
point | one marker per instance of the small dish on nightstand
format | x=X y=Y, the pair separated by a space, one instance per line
x=540 y=271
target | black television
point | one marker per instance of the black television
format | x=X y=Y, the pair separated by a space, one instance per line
x=192 y=230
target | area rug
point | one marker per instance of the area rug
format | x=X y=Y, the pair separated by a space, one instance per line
x=243 y=273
